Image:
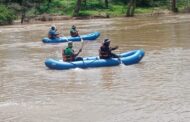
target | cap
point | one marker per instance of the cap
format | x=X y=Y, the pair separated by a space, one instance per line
x=53 y=27
x=106 y=41
x=73 y=26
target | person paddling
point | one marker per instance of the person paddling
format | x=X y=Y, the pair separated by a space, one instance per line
x=105 y=51
x=69 y=54
x=74 y=31
x=52 y=34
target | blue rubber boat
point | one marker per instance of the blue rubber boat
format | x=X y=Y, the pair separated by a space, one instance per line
x=88 y=37
x=127 y=58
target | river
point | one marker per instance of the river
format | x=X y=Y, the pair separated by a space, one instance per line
x=155 y=90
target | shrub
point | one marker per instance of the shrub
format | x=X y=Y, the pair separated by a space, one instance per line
x=6 y=15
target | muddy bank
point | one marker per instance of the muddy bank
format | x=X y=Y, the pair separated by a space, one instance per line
x=47 y=17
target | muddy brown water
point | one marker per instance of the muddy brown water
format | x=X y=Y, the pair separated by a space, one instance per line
x=155 y=90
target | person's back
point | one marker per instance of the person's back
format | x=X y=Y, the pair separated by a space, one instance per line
x=73 y=31
x=69 y=54
x=53 y=32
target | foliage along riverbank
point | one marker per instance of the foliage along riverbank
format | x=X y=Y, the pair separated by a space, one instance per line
x=49 y=10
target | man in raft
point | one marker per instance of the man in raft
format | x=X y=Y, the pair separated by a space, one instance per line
x=52 y=34
x=74 y=31
x=105 y=51
x=69 y=54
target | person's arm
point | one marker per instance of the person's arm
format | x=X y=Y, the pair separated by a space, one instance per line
x=63 y=54
x=78 y=53
x=77 y=32
x=57 y=34
x=114 y=48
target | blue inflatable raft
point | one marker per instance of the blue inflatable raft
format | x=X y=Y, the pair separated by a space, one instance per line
x=88 y=37
x=128 y=58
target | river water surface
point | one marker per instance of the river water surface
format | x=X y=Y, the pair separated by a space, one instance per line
x=155 y=90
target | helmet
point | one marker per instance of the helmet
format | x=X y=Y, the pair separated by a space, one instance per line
x=70 y=44
x=53 y=27
x=73 y=27
x=106 y=42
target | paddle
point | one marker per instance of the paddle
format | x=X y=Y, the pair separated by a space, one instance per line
x=65 y=36
x=118 y=56
x=82 y=41
x=82 y=45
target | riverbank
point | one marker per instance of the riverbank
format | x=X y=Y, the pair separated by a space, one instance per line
x=56 y=10
x=52 y=17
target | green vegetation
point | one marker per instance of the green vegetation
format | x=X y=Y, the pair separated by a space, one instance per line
x=114 y=10
x=31 y=8
x=6 y=15
x=143 y=10
x=58 y=7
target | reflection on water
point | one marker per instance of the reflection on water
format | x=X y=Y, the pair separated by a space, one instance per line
x=156 y=89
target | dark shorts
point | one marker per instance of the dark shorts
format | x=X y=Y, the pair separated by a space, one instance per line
x=112 y=55
x=78 y=59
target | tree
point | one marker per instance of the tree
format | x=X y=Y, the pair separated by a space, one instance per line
x=49 y=2
x=84 y=3
x=77 y=8
x=106 y=3
x=6 y=15
x=174 y=8
x=26 y=5
x=131 y=8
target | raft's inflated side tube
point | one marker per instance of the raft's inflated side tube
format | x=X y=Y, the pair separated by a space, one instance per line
x=61 y=65
x=132 y=57
x=128 y=58
x=88 y=37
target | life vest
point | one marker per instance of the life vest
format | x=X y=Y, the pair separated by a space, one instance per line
x=68 y=54
x=104 y=52
x=74 y=33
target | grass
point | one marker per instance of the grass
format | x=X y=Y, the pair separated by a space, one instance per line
x=92 y=8
x=114 y=10
x=143 y=10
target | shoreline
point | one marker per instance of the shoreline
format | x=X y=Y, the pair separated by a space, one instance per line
x=48 y=18
x=52 y=18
